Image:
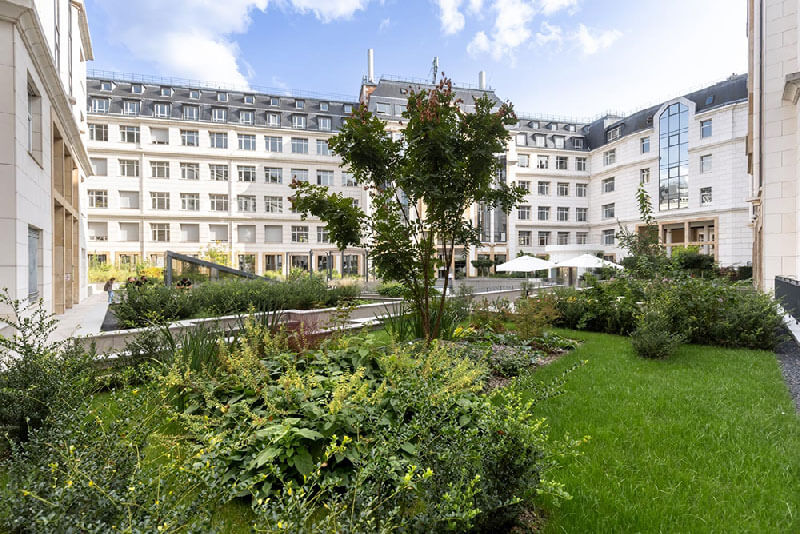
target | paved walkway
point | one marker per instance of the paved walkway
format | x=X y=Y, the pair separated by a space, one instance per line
x=82 y=319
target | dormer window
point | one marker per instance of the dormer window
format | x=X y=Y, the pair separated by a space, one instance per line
x=131 y=107
x=559 y=141
x=577 y=142
x=570 y=127
x=222 y=97
x=348 y=108
x=219 y=114
x=299 y=104
x=553 y=126
x=249 y=99
x=382 y=108
x=106 y=86
x=323 y=106
x=534 y=124
x=194 y=94
x=540 y=140
x=274 y=101
x=613 y=134
x=246 y=116
x=709 y=100
x=166 y=91
x=137 y=88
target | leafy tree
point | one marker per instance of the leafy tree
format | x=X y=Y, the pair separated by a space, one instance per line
x=421 y=189
x=647 y=256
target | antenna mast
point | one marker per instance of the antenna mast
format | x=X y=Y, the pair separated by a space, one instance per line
x=435 y=68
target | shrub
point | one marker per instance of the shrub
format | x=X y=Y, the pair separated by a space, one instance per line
x=654 y=336
x=391 y=289
x=533 y=315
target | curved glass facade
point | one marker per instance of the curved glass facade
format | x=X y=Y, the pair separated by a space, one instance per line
x=673 y=179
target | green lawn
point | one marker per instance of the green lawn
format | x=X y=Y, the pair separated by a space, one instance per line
x=707 y=441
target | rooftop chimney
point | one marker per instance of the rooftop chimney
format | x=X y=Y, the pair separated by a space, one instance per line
x=482 y=80
x=370 y=66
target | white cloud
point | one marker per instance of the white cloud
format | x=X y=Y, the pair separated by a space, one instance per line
x=475 y=6
x=592 y=41
x=510 y=30
x=549 y=34
x=451 y=18
x=384 y=24
x=549 y=7
x=193 y=38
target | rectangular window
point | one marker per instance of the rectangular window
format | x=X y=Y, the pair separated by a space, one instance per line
x=299 y=145
x=524 y=213
x=222 y=97
x=299 y=175
x=322 y=147
x=191 y=113
x=190 y=201
x=218 y=139
x=246 y=203
x=165 y=91
x=273 y=144
x=299 y=234
x=247 y=173
x=324 y=177
x=273 y=234
x=273 y=175
x=542 y=162
x=137 y=88
x=218 y=202
x=160 y=231
x=99 y=105
x=348 y=180
x=218 y=173
x=581 y=214
x=610 y=157
x=540 y=140
x=644 y=176
x=159 y=136
x=190 y=233
x=608 y=211
x=159 y=169
x=705 y=196
x=561 y=163
x=246 y=233
x=705 y=164
x=219 y=115
x=323 y=106
x=190 y=138
x=563 y=189
x=131 y=107
x=559 y=141
x=190 y=171
x=562 y=238
x=273 y=119
x=524 y=161
x=299 y=104
x=526 y=185
x=544 y=188
x=273 y=204
x=613 y=134
x=159 y=200
x=324 y=123
x=577 y=142
x=544 y=213
x=247 y=142
x=98 y=132
x=544 y=239
x=705 y=128
x=609 y=237
x=524 y=238
x=246 y=116
x=348 y=109
x=194 y=94
x=581 y=238
x=106 y=86
x=382 y=108
x=299 y=121
x=322 y=235
x=608 y=185
x=161 y=109
x=129 y=134
x=644 y=145
x=580 y=190
x=218 y=233
x=522 y=139
x=129 y=200
x=562 y=214
x=129 y=231
x=580 y=164
x=129 y=167
x=98 y=198
x=99 y=166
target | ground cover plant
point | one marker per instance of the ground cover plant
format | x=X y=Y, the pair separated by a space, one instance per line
x=154 y=303
x=705 y=441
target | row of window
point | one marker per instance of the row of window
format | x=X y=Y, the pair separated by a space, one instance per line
x=190 y=232
x=525 y=238
x=543 y=162
x=221 y=96
x=524 y=213
x=562 y=188
x=706 y=130
x=559 y=141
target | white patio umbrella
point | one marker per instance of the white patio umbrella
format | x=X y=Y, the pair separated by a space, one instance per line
x=525 y=264
x=587 y=261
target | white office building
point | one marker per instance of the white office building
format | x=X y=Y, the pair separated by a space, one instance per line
x=44 y=47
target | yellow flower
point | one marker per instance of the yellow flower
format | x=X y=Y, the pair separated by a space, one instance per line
x=135 y=391
x=69 y=483
x=91 y=484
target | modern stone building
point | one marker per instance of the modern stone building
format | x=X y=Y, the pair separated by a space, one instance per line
x=184 y=167
x=180 y=166
x=774 y=91
x=44 y=48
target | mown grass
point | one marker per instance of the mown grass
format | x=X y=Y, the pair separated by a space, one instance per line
x=706 y=441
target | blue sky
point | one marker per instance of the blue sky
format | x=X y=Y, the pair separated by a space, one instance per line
x=574 y=58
